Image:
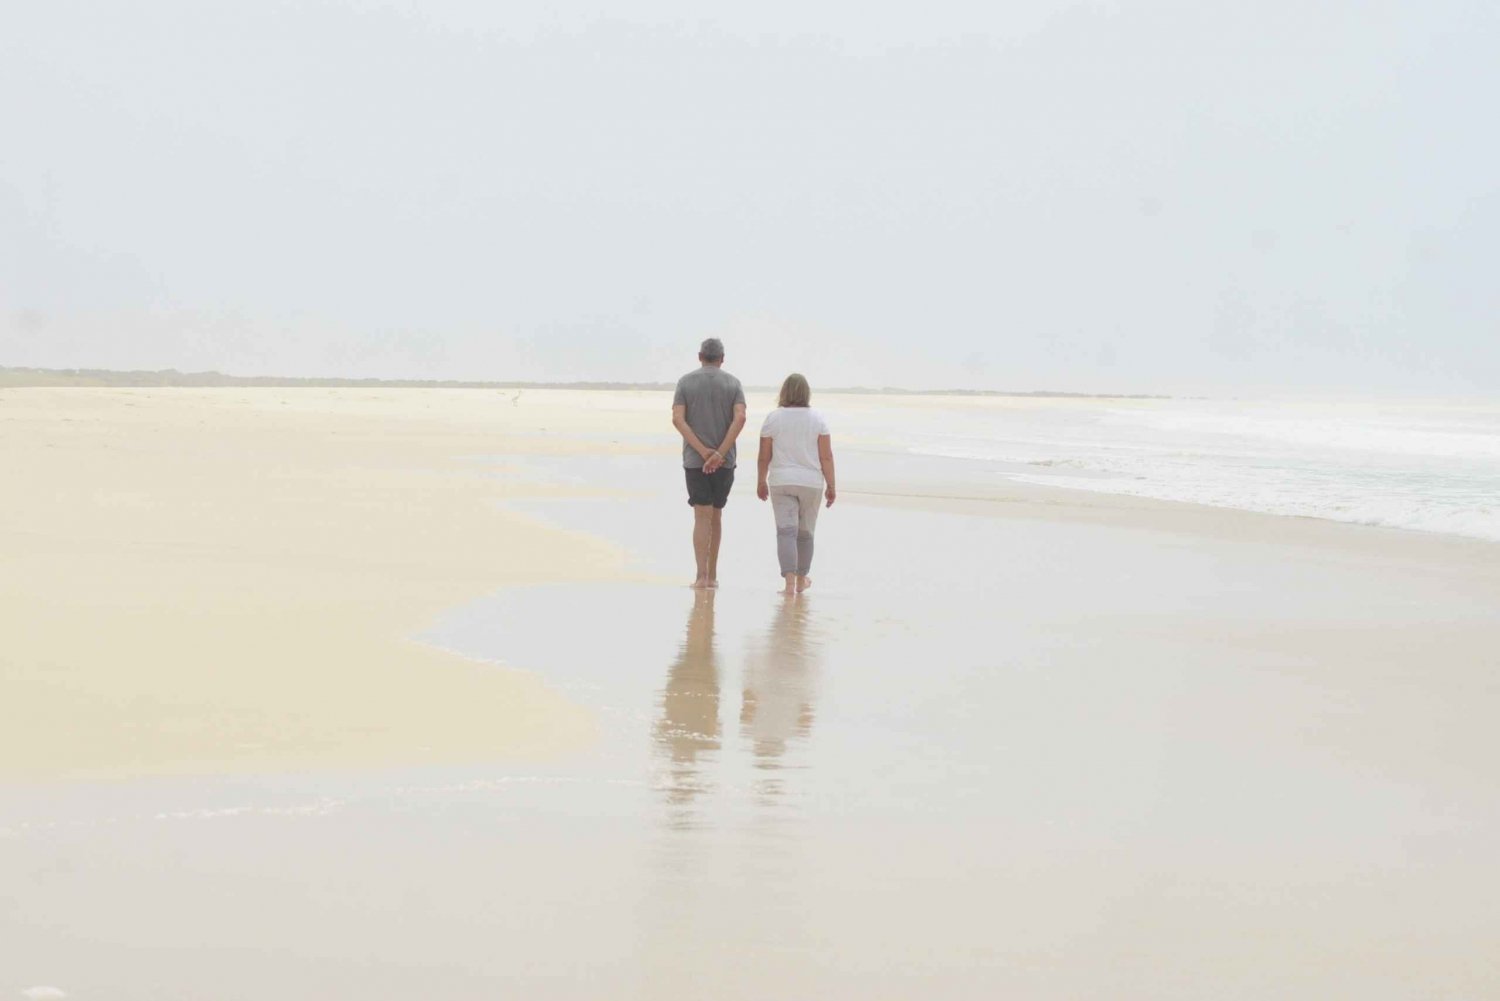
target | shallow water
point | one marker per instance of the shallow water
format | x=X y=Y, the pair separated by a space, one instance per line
x=982 y=756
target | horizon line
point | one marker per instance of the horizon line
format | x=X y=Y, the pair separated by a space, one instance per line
x=31 y=377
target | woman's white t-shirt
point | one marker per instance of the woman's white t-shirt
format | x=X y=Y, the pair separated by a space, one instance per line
x=794 y=435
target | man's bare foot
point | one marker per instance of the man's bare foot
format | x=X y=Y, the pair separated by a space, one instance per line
x=713 y=583
x=702 y=584
x=803 y=583
x=791 y=584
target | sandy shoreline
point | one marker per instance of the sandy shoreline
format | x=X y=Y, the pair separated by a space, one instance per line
x=450 y=723
x=229 y=579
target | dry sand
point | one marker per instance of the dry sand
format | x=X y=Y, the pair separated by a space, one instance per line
x=205 y=580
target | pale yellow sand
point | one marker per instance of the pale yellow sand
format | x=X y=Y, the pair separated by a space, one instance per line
x=205 y=580
x=1160 y=752
x=229 y=579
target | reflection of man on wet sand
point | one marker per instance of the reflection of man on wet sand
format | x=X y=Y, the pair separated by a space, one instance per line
x=689 y=723
x=778 y=699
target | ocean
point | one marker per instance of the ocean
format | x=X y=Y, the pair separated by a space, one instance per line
x=1432 y=467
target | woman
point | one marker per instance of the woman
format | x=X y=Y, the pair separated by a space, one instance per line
x=796 y=466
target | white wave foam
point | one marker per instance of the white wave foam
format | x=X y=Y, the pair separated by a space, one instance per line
x=1431 y=469
x=1412 y=515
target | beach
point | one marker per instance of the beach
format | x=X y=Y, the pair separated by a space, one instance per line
x=201 y=581
x=325 y=693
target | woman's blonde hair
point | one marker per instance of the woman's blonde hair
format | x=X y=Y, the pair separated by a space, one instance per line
x=795 y=392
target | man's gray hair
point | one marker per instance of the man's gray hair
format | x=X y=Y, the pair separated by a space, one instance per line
x=711 y=350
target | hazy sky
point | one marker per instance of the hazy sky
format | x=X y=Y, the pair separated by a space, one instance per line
x=1158 y=197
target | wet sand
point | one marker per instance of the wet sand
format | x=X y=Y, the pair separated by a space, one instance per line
x=1020 y=743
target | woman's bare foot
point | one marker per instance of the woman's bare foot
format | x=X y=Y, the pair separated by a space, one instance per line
x=791 y=584
x=803 y=583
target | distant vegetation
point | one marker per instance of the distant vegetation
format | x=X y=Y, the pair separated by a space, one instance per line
x=172 y=377
x=16 y=377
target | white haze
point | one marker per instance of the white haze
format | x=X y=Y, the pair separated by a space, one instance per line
x=1147 y=197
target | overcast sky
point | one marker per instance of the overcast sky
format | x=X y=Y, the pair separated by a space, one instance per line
x=1207 y=197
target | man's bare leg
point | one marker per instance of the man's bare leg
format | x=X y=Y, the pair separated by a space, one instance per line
x=703 y=531
x=716 y=533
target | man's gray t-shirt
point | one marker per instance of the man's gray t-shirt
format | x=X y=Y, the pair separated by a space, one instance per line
x=709 y=394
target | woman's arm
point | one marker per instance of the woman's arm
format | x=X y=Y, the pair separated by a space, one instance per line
x=825 y=459
x=763 y=466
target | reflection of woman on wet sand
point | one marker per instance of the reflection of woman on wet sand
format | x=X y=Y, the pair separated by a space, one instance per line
x=796 y=473
x=689 y=723
x=779 y=682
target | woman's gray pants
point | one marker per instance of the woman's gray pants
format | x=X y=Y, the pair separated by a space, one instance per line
x=796 y=511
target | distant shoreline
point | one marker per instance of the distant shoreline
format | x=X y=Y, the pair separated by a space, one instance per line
x=98 y=377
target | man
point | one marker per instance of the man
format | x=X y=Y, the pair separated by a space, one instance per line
x=709 y=412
